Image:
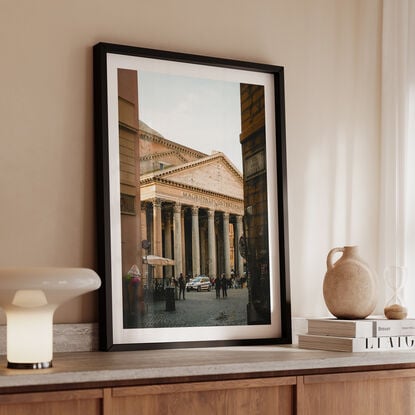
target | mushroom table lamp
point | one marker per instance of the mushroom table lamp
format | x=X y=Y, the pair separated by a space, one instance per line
x=29 y=297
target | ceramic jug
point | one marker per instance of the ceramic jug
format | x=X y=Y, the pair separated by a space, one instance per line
x=349 y=286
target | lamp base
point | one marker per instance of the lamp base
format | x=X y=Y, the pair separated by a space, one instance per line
x=39 y=365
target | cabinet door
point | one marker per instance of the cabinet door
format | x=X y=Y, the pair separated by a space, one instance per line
x=363 y=393
x=52 y=403
x=257 y=396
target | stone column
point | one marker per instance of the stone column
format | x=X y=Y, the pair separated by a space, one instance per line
x=211 y=244
x=177 y=230
x=195 y=241
x=226 y=246
x=183 y=242
x=239 y=261
x=157 y=235
x=167 y=241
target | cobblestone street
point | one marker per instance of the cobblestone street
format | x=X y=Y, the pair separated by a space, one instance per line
x=198 y=309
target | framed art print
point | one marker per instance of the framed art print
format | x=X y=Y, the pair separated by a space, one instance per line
x=191 y=200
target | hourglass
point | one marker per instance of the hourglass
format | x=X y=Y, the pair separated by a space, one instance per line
x=395 y=278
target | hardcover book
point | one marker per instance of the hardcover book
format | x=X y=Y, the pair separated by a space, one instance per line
x=340 y=328
x=356 y=344
x=371 y=327
x=385 y=327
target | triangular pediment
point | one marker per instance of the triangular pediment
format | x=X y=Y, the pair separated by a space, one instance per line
x=213 y=173
x=157 y=150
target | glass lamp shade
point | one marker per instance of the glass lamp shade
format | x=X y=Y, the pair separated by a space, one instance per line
x=29 y=297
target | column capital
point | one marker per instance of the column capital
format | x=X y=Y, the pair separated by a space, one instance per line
x=177 y=208
x=195 y=210
x=157 y=202
x=238 y=218
x=211 y=213
x=225 y=215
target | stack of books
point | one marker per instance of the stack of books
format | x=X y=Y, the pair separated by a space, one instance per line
x=358 y=335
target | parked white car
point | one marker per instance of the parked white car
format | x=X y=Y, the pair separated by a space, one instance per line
x=198 y=284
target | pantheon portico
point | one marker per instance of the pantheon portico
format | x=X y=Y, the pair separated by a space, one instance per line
x=191 y=207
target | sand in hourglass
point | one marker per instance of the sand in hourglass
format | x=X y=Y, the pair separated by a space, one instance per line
x=395 y=278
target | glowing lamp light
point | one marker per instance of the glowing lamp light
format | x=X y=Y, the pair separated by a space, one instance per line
x=29 y=297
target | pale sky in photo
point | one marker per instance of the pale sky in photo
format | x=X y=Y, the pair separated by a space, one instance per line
x=199 y=113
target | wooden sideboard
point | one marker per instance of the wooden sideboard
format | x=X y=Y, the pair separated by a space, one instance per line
x=295 y=383
x=360 y=393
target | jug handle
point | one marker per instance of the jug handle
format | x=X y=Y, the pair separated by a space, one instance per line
x=330 y=257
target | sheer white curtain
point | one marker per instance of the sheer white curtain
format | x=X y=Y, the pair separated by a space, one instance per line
x=397 y=220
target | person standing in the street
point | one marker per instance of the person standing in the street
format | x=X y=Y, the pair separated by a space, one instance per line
x=217 y=287
x=224 y=284
x=182 y=286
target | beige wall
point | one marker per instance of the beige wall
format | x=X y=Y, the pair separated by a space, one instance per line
x=330 y=50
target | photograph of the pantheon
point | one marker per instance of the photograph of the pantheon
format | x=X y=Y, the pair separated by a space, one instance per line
x=193 y=223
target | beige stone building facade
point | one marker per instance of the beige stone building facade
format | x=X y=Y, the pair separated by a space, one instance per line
x=191 y=207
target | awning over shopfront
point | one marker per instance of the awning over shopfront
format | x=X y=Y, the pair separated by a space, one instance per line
x=157 y=260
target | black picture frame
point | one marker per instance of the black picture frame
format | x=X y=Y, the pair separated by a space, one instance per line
x=263 y=241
